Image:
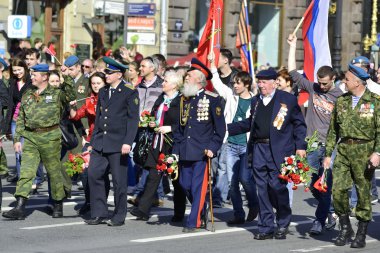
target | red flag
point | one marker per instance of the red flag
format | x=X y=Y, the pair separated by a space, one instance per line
x=215 y=13
x=51 y=50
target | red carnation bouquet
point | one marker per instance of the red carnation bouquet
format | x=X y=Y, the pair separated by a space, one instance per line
x=167 y=165
x=296 y=169
x=77 y=163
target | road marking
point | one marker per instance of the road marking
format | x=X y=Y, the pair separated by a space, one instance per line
x=222 y=231
x=319 y=248
x=157 y=214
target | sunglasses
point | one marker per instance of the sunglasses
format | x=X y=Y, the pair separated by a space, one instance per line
x=85 y=66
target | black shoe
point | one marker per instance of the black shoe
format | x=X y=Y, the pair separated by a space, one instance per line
x=67 y=194
x=176 y=218
x=12 y=178
x=204 y=216
x=17 y=213
x=281 y=233
x=4 y=175
x=263 y=236
x=84 y=209
x=359 y=241
x=96 y=221
x=345 y=232
x=236 y=221
x=133 y=201
x=191 y=230
x=112 y=223
x=252 y=214
x=139 y=214
x=57 y=209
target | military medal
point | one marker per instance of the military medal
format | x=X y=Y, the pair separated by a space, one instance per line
x=184 y=112
x=48 y=99
x=366 y=110
x=81 y=89
x=202 y=111
x=280 y=118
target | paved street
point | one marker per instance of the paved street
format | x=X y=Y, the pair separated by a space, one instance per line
x=41 y=233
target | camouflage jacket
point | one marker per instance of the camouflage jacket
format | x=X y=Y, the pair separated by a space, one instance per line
x=43 y=110
x=362 y=122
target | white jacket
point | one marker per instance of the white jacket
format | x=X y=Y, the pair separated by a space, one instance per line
x=232 y=100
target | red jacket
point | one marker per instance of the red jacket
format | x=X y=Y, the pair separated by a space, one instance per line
x=88 y=110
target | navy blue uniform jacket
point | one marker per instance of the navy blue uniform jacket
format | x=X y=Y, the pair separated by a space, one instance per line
x=116 y=119
x=283 y=142
x=191 y=140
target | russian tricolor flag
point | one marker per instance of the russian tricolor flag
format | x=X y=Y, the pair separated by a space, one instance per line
x=315 y=38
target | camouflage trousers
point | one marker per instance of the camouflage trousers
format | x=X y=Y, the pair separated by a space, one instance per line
x=3 y=162
x=349 y=167
x=45 y=147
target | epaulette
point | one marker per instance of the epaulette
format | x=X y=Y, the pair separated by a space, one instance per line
x=212 y=94
x=130 y=86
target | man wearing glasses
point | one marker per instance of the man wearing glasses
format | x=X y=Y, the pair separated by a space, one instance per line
x=115 y=129
x=322 y=98
x=87 y=67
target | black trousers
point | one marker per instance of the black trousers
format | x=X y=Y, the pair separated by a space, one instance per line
x=97 y=171
x=151 y=186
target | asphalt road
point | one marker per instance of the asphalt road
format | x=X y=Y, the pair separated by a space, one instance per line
x=40 y=233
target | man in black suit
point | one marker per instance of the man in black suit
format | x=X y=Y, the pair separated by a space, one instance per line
x=115 y=128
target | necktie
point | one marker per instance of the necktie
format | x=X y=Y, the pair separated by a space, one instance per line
x=111 y=92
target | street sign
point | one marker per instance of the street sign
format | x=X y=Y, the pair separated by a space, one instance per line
x=82 y=51
x=19 y=26
x=140 y=23
x=141 y=38
x=141 y=9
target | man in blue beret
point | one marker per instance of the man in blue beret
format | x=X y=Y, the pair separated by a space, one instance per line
x=277 y=130
x=355 y=122
x=38 y=123
x=114 y=132
x=198 y=138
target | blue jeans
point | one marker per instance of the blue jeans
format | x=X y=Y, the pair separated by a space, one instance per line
x=131 y=169
x=223 y=178
x=237 y=162
x=141 y=185
x=354 y=196
x=315 y=160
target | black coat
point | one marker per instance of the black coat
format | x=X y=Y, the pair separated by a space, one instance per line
x=171 y=118
x=15 y=96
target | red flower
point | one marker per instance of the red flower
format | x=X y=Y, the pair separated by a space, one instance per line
x=289 y=161
x=299 y=165
x=71 y=157
x=145 y=113
x=306 y=169
x=294 y=187
x=306 y=189
x=161 y=157
x=170 y=170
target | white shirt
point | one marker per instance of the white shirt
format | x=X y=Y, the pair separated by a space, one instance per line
x=267 y=98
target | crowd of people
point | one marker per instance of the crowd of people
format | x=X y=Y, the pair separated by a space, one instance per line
x=244 y=127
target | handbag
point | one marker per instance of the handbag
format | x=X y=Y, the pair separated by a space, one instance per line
x=140 y=152
x=69 y=139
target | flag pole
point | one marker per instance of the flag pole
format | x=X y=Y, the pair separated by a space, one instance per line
x=298 y=26
x=51 y=53
x=249 y=42
x=212 y=36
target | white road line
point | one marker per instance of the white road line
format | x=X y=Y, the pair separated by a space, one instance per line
x=222 y=231
x=319 y=248
x=157 y=214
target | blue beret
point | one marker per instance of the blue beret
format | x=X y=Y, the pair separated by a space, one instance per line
x=198 y=65
x=361 y=60
x=2 y=61
x=71 y=61
x=40 y=68
x=358 y=71
x=267 y=74
x=113 y=65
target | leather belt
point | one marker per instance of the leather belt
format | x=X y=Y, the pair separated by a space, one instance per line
x=351 y=141
x=42 y=129
x=261 y=141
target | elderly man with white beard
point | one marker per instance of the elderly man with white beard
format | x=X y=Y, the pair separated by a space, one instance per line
x=198 y=137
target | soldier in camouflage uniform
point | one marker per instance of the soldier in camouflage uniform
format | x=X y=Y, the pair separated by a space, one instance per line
x=38 y=123
x=356 y=122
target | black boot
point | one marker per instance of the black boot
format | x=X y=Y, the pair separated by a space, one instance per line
x=57 y=209
x=345 y=232
x=17 y=213
x=359 y=241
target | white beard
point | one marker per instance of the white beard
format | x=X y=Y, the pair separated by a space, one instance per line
x=189 y=90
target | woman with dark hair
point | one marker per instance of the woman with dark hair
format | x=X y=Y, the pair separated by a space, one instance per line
x=97 y=81
x=284 y=81
x=166 y=111
x=133 y=74
x=19 y=83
